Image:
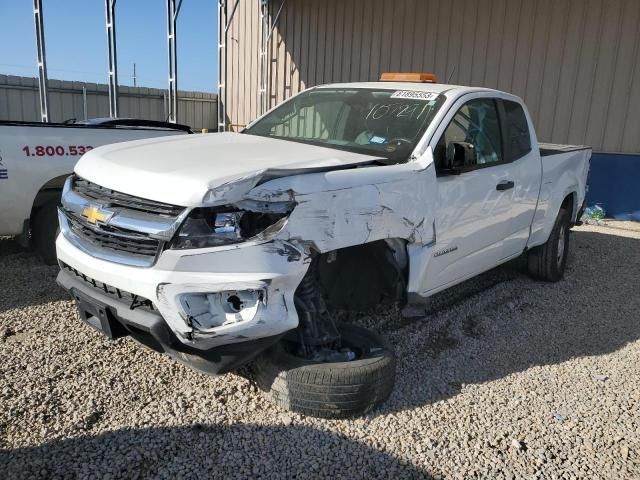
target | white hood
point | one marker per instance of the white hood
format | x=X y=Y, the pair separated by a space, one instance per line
x=181 y=169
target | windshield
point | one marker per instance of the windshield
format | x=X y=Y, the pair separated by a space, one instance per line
x=383 y=123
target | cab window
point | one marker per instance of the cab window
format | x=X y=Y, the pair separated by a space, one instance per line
x=472 y=140
x=516 y=130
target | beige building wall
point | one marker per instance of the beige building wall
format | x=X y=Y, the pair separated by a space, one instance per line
x=576 y=63
x=242 y=66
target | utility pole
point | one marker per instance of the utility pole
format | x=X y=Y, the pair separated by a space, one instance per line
x=222 y=65
x=42 y=61
x=134 y=75
x=173 y=10
x=110 y=14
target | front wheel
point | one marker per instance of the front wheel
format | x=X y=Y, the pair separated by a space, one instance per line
x=548 y=261
x=44 y=230
x=329 y=389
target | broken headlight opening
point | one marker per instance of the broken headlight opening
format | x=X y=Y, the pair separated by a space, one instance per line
x=207 y=311
x=217 y=226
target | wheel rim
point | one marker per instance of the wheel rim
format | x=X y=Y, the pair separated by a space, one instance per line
x=561 y=245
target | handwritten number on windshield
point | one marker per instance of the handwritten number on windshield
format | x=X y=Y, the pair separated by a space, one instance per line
x=397 y=110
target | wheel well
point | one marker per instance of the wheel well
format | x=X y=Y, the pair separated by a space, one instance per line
x=50 y=191
x=334 y=283
x=384 y=265
x=569 y=204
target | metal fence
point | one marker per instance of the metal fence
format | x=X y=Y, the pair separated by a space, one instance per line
x=79 y=100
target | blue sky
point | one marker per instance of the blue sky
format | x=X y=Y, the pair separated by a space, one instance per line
x=76 y=41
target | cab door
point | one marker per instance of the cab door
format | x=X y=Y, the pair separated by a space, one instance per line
x=526 y=169
x=475 y=192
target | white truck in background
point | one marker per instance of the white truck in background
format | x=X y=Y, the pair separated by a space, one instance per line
x=36 y=159
x=237 y=249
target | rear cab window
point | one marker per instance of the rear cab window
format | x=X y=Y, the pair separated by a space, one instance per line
x=517 y=135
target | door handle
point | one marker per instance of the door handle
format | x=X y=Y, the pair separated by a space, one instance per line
x=505 y=185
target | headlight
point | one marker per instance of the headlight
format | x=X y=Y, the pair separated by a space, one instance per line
x=216 y=226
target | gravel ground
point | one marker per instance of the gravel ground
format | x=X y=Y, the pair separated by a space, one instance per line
x=502 y=377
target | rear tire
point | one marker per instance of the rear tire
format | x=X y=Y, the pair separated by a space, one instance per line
x=548 y=261
x=44 y=230
x=329 y=390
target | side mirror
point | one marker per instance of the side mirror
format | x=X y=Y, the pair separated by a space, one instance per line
x=460 y=155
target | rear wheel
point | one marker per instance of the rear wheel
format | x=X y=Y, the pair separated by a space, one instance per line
x=334 y=389
x=548 y=261
x=44 y=230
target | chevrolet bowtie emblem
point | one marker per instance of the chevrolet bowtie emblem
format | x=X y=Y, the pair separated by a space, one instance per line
x=95 y=214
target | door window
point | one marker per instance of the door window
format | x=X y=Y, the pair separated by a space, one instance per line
x=473 y=138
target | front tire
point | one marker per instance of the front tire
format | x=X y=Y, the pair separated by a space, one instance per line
x=329 y=390
x=548 y=261
x=44 y=230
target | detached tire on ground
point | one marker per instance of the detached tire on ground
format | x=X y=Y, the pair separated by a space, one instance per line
x=44 y=230
x=329 y=390
x=548 y=261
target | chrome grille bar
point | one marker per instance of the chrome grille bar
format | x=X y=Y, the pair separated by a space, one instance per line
x=134 y=231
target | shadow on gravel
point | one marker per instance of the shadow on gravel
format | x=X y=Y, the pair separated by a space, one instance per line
x=24 y=279
x=502 y=322
x=8 y=246
x=206 y=451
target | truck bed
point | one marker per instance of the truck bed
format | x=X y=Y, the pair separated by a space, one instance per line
x=548 y=149
x=107 y=123
x=36 y=158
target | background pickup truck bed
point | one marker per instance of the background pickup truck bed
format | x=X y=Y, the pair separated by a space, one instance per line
x=547 y=149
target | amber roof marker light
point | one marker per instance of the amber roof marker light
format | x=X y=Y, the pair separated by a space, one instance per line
x=408 y=77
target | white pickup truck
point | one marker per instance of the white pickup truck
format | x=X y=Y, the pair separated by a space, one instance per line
x=36 y=159
x=237 y=249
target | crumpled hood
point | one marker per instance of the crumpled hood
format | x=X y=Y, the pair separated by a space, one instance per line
x=181 y=169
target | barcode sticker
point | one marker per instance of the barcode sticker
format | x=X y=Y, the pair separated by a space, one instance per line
x=414 y=95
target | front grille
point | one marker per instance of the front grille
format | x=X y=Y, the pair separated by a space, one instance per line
x=106 y=196
x=126 y=237
x=134 y=301
x=130 y=242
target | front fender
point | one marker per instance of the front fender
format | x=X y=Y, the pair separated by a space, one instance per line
x=352 y=207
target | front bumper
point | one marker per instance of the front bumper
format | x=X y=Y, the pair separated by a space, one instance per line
x=275 y=267
x=115 y=318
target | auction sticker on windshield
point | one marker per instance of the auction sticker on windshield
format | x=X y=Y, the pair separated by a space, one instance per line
x=414 y=95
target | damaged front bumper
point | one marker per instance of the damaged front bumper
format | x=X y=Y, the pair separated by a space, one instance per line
x=214 y=322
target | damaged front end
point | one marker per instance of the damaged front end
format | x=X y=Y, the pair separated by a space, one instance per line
x=260 y=258
x=313 y=283
x=350 y=228
x=245 y=275
x=360 y=275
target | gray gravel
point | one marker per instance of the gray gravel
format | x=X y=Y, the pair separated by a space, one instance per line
x=502 y=377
